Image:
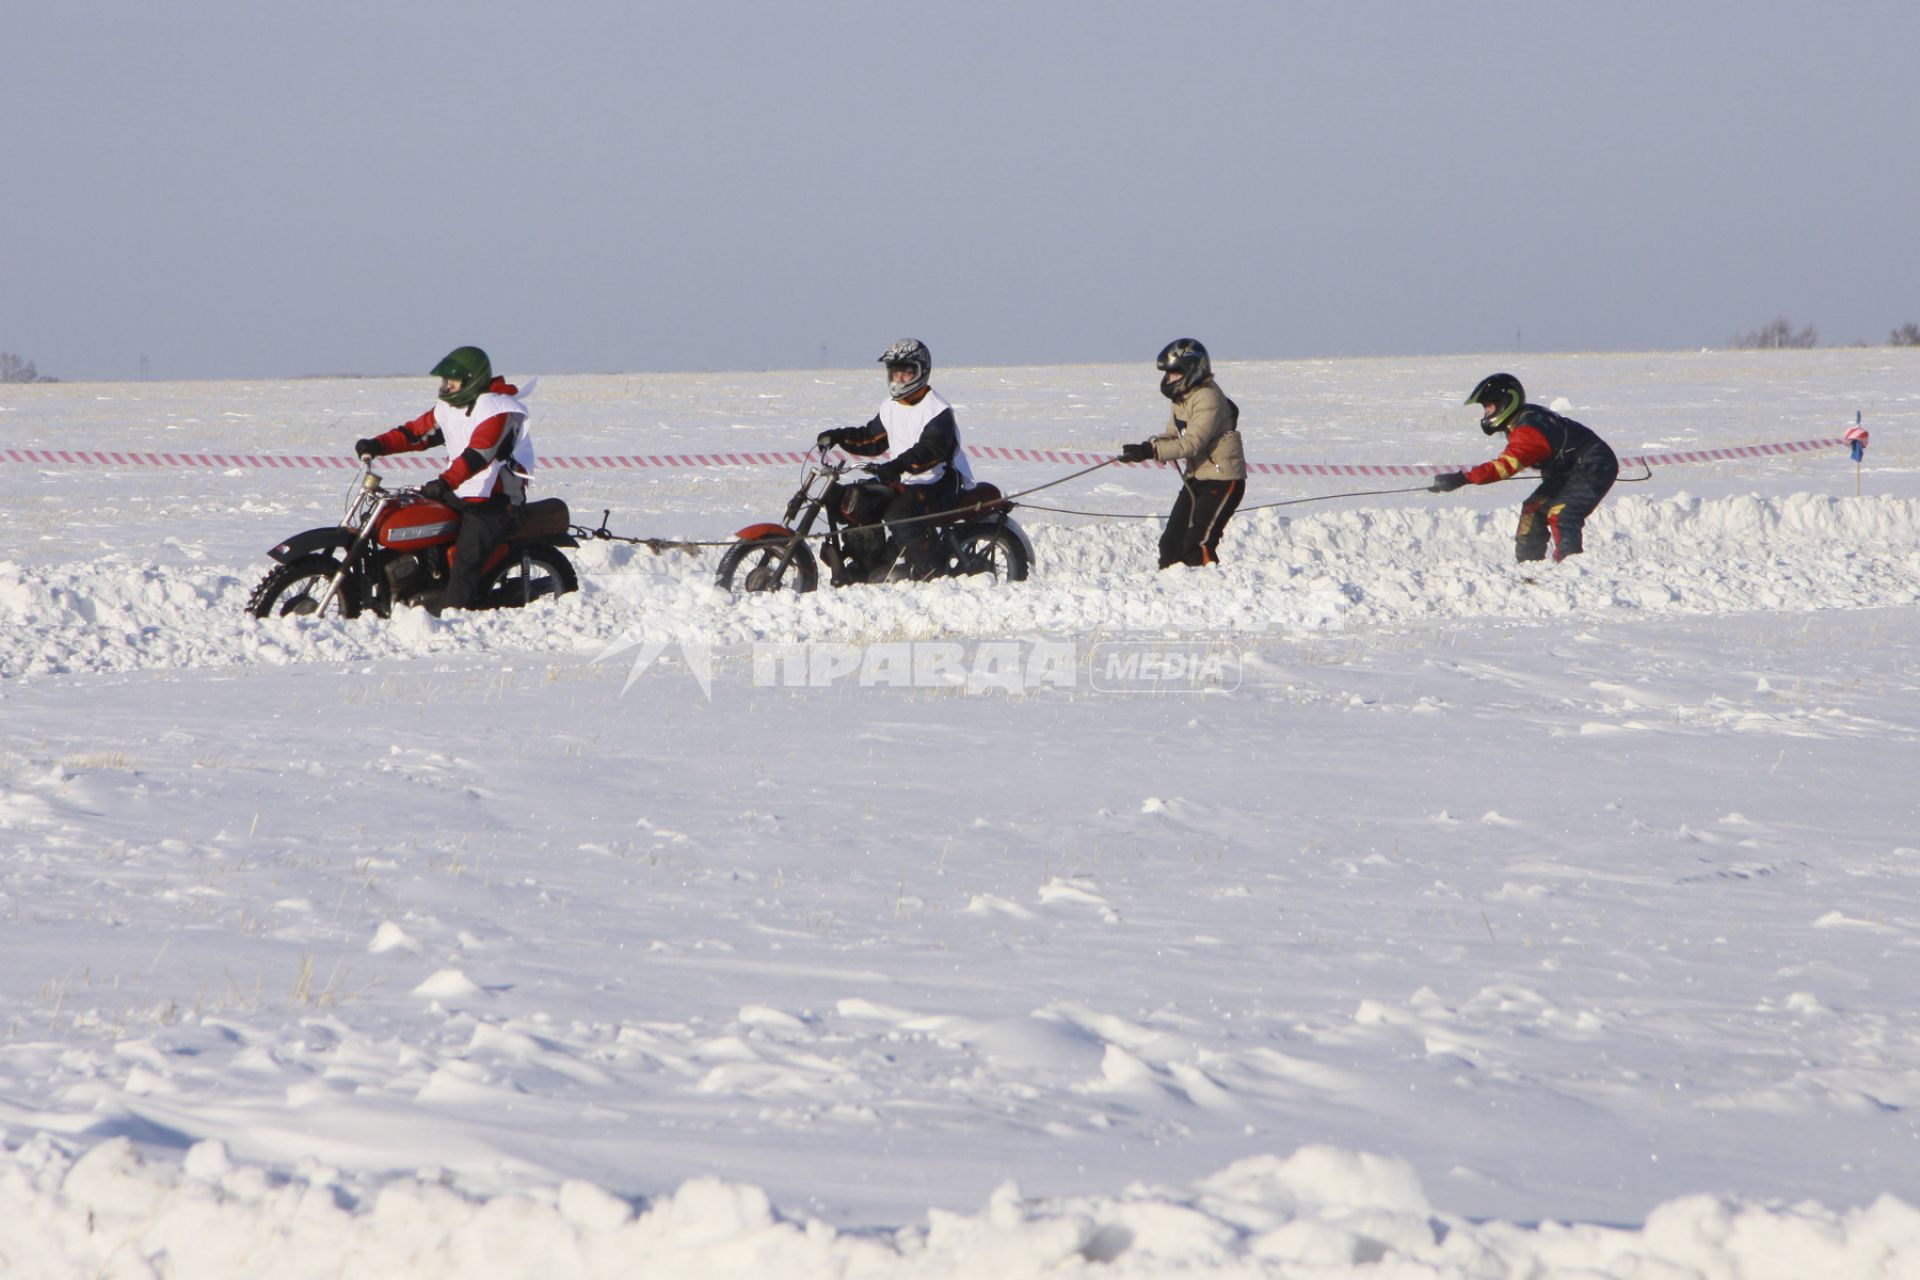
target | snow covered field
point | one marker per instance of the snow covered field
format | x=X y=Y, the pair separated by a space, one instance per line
x=1478 y=922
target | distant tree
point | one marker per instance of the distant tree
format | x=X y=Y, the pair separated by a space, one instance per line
x=14 y=369
x=1907 y=335
x=1778 y=336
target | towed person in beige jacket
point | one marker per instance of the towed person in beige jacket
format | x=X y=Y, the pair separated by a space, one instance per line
x=1205 y=431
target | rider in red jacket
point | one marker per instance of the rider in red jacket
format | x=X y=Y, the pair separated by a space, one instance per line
x=482 y=424
x=1576 y=467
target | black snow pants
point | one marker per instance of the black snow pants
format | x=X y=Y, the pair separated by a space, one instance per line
x=1557 y=510
x=880 y=541
x=1192 y=535
x=913 y=545
x=484 y=525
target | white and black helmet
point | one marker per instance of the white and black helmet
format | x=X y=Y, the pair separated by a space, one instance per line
x=908 y=353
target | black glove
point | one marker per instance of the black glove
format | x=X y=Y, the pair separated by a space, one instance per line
x=886 y=472
x=1142 y=452
x=1447 y=482
x=439 y=490
x=368 y=448
x=826 y=440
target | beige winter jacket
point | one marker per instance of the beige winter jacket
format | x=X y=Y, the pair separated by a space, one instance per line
x=1205 y=430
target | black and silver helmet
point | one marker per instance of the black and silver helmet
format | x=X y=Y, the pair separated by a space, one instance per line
x=910 y=354
x=1501 y=395
x=1183 y=365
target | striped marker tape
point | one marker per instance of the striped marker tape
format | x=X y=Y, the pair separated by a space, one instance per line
x=655 y=461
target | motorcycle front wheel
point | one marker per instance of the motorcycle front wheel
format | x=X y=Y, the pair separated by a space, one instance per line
x=526 y=575
x=294 y=590
x=992 y=550
x=762 y=564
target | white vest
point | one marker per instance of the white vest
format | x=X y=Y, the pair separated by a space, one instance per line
x=456 y=428
x=905 y=422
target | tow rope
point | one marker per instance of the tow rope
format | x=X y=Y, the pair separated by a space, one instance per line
x=1287 y=502
x=657 y=545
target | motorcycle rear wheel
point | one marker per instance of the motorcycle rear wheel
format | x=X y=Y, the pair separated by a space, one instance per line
x=293 y=590
x=991 y=550
x=527 y=574
x=754 y=565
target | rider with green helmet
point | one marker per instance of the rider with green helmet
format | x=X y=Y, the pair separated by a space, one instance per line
x=1576 y=467
x=482 y=423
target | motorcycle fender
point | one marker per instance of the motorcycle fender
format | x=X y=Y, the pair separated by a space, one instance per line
x=753 y=531
x=1025 y=541
x=313 y=540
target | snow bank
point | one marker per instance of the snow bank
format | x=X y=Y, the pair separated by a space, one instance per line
x=1322 y=1211
x=1366 y=567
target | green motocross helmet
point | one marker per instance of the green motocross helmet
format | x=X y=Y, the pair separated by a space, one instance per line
x=475 y=372
x=1502 y=395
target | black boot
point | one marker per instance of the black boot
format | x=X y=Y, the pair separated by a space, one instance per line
x=842 y=568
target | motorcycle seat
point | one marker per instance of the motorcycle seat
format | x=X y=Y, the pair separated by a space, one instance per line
x=982 y=500
x=546 y=518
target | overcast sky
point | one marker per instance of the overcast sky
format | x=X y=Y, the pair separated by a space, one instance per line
x=249 y=189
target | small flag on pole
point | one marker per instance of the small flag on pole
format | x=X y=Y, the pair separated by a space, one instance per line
x=1856 y=438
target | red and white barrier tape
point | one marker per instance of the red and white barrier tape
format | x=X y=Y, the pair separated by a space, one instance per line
x=1392 y=469
x=624 y=462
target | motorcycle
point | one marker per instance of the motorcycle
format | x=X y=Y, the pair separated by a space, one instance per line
x=394 y=546
x=977 y=536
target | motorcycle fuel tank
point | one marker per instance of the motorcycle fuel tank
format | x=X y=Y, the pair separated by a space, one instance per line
x=418 y=524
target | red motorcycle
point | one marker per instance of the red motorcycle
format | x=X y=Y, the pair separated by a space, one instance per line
x=977 y=536
x=394 y=545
